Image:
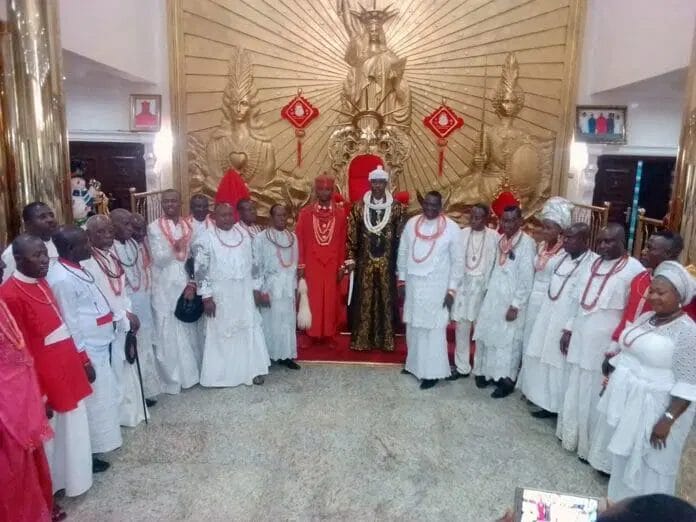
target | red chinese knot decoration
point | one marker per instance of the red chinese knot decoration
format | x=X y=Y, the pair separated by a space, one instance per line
x=300 y=113
x=442 y=122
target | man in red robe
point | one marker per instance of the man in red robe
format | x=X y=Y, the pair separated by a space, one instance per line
x=62 y=371
x=321 y=236
x=663 y=245
x=232 y=189
x=26 y=494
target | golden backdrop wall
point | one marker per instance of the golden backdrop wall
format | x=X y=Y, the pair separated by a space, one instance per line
x=375 y=70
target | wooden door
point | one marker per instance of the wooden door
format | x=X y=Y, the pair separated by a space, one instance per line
x=118 y=166
x=615 y=182
x=616 y=176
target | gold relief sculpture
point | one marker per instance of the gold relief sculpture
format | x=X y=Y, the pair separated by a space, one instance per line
x=506 y=155
x=375 y=72
x=376 y=76
x=241 y=143
x=367 y=134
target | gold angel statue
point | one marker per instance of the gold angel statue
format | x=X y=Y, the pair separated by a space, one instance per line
x=375 y=80
x=239 y=142
x=506 y=154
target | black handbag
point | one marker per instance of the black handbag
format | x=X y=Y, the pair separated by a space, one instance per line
x=189 y=311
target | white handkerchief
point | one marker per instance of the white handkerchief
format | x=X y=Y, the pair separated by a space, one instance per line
x=59 y=334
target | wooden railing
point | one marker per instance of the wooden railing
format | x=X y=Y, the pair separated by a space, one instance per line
x=644 y=229
x=595 y=216
x=147 y=204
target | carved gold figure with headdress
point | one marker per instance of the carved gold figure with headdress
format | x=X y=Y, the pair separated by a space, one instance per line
x=376 y=77
x=239 y=142
x=505 y=154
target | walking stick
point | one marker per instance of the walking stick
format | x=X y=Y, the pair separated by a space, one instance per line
x=134 y=340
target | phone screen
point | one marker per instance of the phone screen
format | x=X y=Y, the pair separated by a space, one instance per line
x=534 y=505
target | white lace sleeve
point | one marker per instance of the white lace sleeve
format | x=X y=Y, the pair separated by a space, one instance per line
x=577 y=290
x=491 y=245
x=456 y=254
x=160 y=250
x=684 y=359
x=258 y=268
x=525 y=273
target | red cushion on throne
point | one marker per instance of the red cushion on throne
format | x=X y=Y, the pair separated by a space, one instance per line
x=358 y=172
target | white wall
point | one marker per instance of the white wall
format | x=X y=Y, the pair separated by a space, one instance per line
x=113 y=50
x=641 y=64
x=631 y=40
x=123 y=34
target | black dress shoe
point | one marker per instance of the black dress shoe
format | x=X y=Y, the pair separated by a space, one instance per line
x=544 y=414
x=289 y=363
x=405 y=372
x=481 y=381
x=426 y=384
x=99 y=466
x=457 y=375
x=503 y=390
x=258 y=380
x=150 y=402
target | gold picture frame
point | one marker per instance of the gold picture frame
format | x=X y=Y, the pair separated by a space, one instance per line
x=145 y=112
x=601 y=124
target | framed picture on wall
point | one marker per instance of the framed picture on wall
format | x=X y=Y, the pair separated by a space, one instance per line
x=600 y=123
x=145 y=112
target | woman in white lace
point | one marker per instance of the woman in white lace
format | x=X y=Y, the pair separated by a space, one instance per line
x=647 y=405
x=555 y=218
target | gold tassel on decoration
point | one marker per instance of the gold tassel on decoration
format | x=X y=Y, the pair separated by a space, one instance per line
x=304 y=314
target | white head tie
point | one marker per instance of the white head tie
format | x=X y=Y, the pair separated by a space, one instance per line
x=379 y=174
x=559 y=210
x=680 y=278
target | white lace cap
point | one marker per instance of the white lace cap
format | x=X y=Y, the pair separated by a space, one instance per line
x=378 y=174
x=680 y=278
x=559 y=210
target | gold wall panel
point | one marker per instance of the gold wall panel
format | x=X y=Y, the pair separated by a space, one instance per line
x=447 y=49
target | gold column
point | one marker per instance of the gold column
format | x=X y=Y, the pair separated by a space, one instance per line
x=35 y=112
x=684 y=200
x=684 y=205
x=8 y=226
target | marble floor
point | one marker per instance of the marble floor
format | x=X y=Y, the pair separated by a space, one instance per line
x=332 y=442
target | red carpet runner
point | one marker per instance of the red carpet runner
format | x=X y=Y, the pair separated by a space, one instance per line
x=341 y=352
